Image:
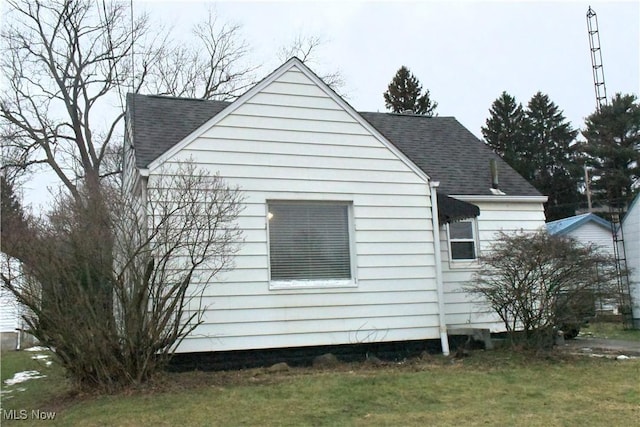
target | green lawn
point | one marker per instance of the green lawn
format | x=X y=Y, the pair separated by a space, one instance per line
x=610 y=330
x=487 y=388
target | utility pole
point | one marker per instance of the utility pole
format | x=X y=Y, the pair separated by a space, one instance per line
x=587 y=185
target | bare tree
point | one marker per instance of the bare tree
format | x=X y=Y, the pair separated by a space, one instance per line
x=536 y=282
x=166 y=253
x=68 y=65
x=210 y=66
x=305 y=48
x=65 y=62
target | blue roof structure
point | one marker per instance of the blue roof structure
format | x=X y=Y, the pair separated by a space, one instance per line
x=565 y=225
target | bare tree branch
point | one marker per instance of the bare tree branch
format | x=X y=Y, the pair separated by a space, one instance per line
x=306 y=48
x=166 y=254
x=211 y=68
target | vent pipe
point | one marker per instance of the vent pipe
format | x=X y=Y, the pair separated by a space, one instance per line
x=493 y=165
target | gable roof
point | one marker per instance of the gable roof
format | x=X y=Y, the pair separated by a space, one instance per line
x=439 y=147
x=298 y=65
x=160 y=122
x=449 y=153
x=565 y=225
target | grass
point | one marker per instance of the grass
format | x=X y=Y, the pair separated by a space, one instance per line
x=610 y=330
x=37 y=393
x=488 y=388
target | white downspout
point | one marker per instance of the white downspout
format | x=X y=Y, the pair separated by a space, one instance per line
x=444 y=338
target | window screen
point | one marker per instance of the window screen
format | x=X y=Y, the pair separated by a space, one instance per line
x=462 y=240
x=309 y=241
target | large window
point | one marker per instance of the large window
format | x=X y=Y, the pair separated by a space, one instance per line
x=309 y=241
x=462 y=240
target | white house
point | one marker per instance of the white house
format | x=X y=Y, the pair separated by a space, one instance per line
x=10 y=310
x=586 y=228
x=368 y=189
x=631 y=234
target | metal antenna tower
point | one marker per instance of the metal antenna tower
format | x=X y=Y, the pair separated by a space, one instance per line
x=616 y=206
x=596 y=58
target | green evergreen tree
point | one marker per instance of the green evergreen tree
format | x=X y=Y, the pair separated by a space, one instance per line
x=537 y=143
x=504 y=132
x=557 y=172
x=404 y=93
x=612 y=150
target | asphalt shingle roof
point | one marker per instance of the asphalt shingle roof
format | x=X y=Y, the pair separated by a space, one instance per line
x=448 y=152
x=160 y=122
x=443 y=148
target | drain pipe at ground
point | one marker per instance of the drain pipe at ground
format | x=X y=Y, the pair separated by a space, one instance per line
x=444 y=338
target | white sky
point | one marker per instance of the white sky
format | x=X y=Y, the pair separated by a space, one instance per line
x=466 y=53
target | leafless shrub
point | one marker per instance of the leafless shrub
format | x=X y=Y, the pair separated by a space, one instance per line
x=164 y=254
x=536 y=282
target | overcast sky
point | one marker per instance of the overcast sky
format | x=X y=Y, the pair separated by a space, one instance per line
x=466 y=53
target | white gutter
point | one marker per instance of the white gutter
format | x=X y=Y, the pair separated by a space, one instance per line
x=444 y=338
x=505 y=198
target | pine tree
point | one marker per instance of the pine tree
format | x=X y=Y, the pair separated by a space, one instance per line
x=550 y=137
x=404 y=93
x=612 y=149
x=504 y=132
x=537 y=143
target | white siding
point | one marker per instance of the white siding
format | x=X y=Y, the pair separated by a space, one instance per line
x=592 y=233
x=631 y=229
x=9 y=315
x=292 y=141
x=9 y=307
x=461 y=311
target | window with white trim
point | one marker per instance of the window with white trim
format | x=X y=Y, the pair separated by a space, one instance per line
x=309 y=242
x=462 y=240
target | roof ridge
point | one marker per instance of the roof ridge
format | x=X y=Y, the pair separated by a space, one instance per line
x=177 y=98
x=391 y=113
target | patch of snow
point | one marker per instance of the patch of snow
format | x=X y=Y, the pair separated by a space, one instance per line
x=36 y=348
x=40 y=356
x=622 y=357
x=48 y=362
x=20 y=377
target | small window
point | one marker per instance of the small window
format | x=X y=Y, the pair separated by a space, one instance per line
x=462 y=240
x=309 y=241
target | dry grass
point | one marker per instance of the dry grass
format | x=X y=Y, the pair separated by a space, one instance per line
x=610 y=330
x=488 y=388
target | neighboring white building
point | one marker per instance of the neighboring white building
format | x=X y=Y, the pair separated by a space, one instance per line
x=586 y=228
x=10 y=310
x=631 y=234
x=365 y=185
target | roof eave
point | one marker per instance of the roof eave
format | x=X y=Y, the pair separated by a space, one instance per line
x=505 y=198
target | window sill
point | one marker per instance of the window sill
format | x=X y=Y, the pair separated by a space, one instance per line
x=311 y=284
x=460 y=264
